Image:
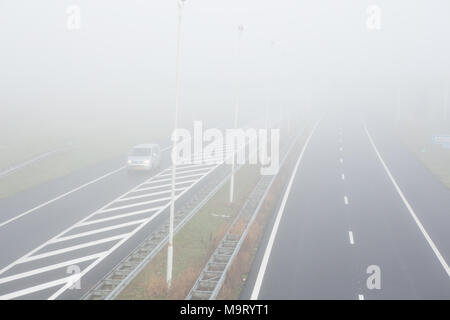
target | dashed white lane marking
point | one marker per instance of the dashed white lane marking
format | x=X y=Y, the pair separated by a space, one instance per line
x=343 y=176
x=72 y=279
x=265 y=260
x=40 y=256
x=350 y=236
x=341 y=160
x=360 y=297
x=68 y=193
x=341 y=149
x=408 y=206
x=346 y=200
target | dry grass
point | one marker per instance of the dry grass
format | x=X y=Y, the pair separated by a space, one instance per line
x=418 y=138
x=237 y=274
x=193 y=245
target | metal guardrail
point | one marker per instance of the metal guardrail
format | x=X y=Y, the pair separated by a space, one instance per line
x=212 y=277
x=125 y=271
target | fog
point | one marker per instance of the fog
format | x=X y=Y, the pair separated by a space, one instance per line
x=117 y=72
x=351 y=186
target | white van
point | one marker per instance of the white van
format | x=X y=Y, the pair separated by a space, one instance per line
x=144 y=157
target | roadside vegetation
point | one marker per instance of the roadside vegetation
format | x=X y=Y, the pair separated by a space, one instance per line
x=237 y=275
x=193 y=244
x=417 y=136
x=79 y=147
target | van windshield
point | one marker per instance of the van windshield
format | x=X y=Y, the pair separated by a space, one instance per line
x=141 y=152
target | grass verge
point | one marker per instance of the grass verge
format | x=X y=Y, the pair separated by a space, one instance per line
x=193 y=244
x=86 y=151
x=418 y=138
x=238 y=273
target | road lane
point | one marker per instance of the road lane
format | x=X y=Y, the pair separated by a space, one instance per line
x=311 y=257
x=96 y=237
x=389 y=236
x=35 y=267
x=32 y=229
x=327 y=248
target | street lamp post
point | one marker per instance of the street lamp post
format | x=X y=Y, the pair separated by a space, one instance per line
x=236 y=110
x=174 y=170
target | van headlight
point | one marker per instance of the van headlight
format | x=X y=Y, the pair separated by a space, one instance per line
x=129 y=161
x=147 y=162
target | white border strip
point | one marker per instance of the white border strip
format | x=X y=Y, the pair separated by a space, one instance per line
x=51 y=267
x=262 y=269
x=408 y=206
x=60 y=196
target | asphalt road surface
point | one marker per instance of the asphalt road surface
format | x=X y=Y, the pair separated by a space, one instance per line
x=57 y=240
x=62 y=247
x=363 y=219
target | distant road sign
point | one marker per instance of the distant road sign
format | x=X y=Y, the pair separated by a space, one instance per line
x=443 y=140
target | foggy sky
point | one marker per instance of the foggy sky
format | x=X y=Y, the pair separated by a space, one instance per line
x=122 y=60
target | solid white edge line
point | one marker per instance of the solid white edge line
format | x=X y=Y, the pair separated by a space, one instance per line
x=92 y=265
x=60 y=196
x=188 y=166
x=160 y=187
x=408 y=206
x=120 y=216
x=73 y=248
x=96 y=262
x=169 y=179
x=67 y=193
x=74 y=278
x=186 y=171
x=265 y=260
x=50 y=267
x=146 y=195
x=36 y=158
x=98 y=230
x=37 y=288
x=137 y=204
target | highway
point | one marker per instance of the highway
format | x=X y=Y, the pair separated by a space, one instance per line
x=84 y=232
x=31 y=218
x=359 y=205
x=357 y=201
x=58 y=240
